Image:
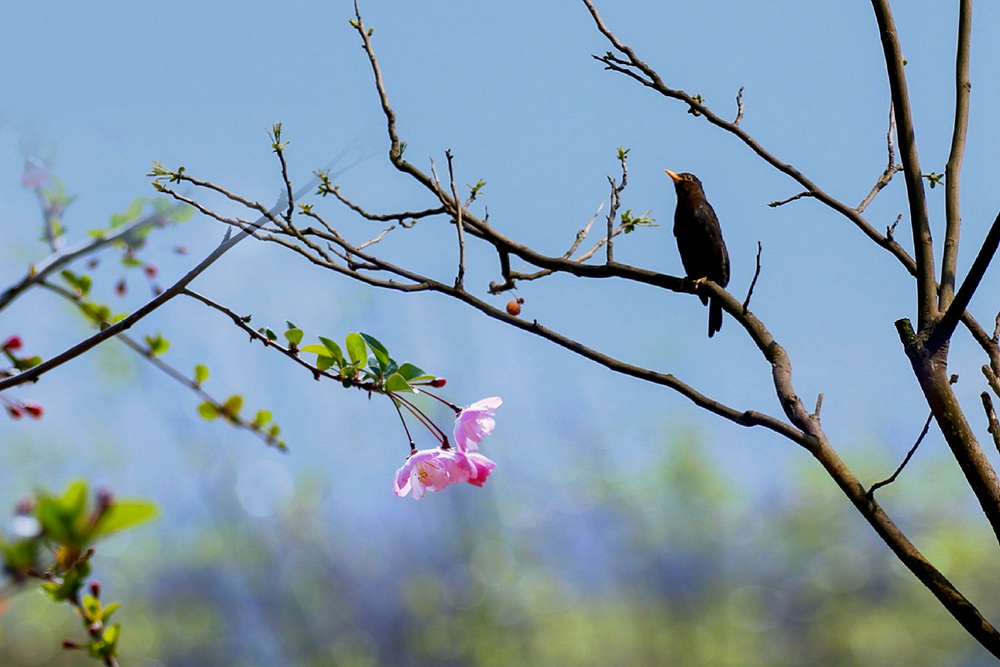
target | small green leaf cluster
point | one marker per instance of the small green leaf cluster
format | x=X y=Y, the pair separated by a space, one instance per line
x=55 y=200
x=934 y=179
x=157 y=344
x=630 y=221
x=79 y=285
x=262 y=423
x=65 y=527
x=18 y=361
x=161 y=173
x=694 y=111
x=474 y=190
x=367 y=365
x=277 y=145
x=163 y=212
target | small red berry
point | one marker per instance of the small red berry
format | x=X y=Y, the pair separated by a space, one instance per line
x=34 y=410
x=14 y=411
x=121 y=287
x=150 y=270
x=437 y=383
x=12 y=343
x=514 y=307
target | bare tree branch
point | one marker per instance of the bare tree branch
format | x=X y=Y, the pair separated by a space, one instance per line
x=943 y=330
x=953 y=170
x=41 y=271
x=891 y=168
x=923 y=247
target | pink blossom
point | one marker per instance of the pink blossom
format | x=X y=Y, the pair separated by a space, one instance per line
x=434 y=469
x=430 y=469
x=482 y=467
x=35 y=175
x=475 y=423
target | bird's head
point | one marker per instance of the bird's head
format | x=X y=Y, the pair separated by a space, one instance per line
x=685 y=184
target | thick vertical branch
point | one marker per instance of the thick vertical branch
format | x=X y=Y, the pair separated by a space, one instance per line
x=953 y=218
x=930 y=369
x=946 y=326
x=923 y=247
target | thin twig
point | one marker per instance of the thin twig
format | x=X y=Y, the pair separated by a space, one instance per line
x=891 y=168
x=753 y=283
x=991 y=418
x=906 y=459
x=739 y=106
x=460 y=277
x=801 y=195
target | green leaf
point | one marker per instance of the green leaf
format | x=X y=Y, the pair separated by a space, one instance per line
x=231 y=406
x=335 y=350
x=74 y=500
x=61 y=518
x=53 y=522
x=91 y=608
x=208 y=411
x=262 y=417
x=123 y=514
x=316 y=348
x=397 y=382
x=157 y=344
x=378 y=349
x=110 y=637
x=134 y=209
x=200 y=373
x=294 y=336
x=412 y=373
x=324 y=362
x=110 y=608
x=182 y=213
x=24 y=363
x=356 y=349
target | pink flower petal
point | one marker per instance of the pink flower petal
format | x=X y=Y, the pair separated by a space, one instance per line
x=475 y=423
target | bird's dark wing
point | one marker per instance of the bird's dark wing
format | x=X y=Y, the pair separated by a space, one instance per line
x=699 y=242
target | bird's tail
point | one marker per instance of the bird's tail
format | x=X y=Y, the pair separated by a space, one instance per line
x=714 y=317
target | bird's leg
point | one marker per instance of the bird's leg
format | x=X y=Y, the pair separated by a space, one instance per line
x=697 y=282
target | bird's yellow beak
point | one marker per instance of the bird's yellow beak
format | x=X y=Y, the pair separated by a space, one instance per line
x=672 y=175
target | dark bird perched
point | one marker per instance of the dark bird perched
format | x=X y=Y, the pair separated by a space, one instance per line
x=699 y=240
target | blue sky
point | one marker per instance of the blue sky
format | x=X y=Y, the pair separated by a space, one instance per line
x=512 y=89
